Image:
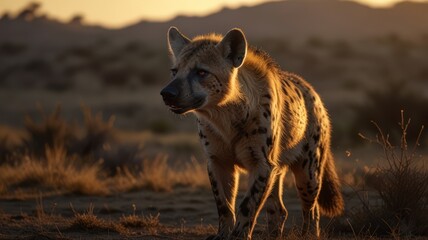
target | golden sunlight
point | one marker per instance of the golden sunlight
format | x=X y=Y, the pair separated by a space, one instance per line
x=118 y=14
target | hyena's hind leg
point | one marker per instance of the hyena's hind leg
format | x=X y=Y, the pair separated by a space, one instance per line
x=308 y=182
x=276 y=211
x=224 y=182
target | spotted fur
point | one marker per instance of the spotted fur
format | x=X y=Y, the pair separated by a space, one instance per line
x=252 y=116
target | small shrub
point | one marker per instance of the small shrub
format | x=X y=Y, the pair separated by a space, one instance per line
x=402 y=185
x=52 y=131
x=97 y=132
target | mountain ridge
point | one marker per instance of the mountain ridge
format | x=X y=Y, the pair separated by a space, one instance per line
x=289 y=20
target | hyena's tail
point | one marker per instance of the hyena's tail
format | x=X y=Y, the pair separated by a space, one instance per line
x=330 y=200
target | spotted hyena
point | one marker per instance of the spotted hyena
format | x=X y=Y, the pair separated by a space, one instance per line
x=253 y=117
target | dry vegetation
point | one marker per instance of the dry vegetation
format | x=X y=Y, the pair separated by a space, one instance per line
x=60 y=158
x=401 y=183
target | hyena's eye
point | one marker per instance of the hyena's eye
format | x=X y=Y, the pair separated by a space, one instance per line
x=202 y=73
x=173 y=72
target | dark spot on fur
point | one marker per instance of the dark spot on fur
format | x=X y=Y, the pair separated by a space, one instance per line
x=207 y=143
x=262 y=130
x=254 y=189
x=269 y=141
x=306 y=147
x=265 y=115
x=201 y=135
x=298 y=92
x=261 y=179
x=316 y=138
x=267 y=96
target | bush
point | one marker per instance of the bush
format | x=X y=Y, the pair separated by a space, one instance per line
x=52 y=131
x=402 y=185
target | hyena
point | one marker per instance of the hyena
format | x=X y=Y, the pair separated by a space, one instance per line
x=253 y=117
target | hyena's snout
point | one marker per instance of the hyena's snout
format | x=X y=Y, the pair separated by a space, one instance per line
x=179 y=99
x=170 y=94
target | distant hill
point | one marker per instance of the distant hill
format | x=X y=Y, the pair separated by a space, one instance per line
x=299 y=19
x=294 y=20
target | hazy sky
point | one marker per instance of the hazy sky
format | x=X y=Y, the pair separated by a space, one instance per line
x=117 y=13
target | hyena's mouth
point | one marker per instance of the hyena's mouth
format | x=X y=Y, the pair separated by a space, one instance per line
x=183 y=109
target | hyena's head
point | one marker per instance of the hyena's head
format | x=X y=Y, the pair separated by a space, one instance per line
x=203 y=72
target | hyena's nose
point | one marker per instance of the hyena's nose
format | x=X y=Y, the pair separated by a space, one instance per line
x=169 y=94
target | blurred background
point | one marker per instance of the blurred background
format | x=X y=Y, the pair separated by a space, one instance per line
x=71 y=60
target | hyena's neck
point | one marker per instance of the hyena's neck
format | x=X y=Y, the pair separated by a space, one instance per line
x=223 y=119
x=228 y=117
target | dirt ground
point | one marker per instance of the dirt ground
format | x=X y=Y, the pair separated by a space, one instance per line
x=181 y=214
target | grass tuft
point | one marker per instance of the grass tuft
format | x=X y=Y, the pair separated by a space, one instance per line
x=150 y=224
x=88 y=221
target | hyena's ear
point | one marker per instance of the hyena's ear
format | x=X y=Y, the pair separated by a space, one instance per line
x=234 y=47
x=176 y=41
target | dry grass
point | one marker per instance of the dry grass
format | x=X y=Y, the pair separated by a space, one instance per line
x=149 y=223
x=87 y=221
x=159 y=175
x=62 y=158
x=57 y=172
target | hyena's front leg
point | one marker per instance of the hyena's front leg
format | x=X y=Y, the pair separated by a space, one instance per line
x=224 y=183
x=261 y=178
